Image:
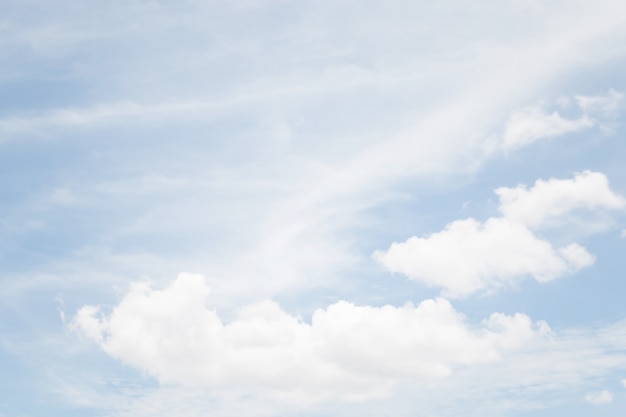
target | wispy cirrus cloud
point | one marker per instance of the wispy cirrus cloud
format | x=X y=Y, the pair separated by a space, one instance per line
x=536 y=123
x=599 y=398
x=532 y=124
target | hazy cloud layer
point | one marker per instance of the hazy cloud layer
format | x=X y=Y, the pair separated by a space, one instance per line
x=599 y=398
x=272 y=147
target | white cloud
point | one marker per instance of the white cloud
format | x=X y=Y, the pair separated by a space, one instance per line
x=548 y=200
x=468 y=256
x=623 y=381
x=535 y=122
x=606 y=106
x=598 y=398
x=347 y=352
x=89 y=324
x=532 y=124
x=554 y=365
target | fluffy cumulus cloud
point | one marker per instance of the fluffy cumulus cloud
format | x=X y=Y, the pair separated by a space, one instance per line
x=549 y=199
x=468 y=256
x=534 y=362
x=599 y=398
x=346 y=352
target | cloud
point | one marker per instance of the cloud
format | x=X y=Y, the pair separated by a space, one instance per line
x=544 y=374
x=623 y=381
x=346 y=352
x=540 y=371
x=532 y=124
x=535 y=123
x=606 y=106
x=116 y=114
x=599 y=398
x=89 y=324
x=549 y=199
x=421 y=117
x=468 y=256
x=360 y=127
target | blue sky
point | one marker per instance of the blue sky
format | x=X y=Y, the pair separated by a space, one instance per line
x=271 y=208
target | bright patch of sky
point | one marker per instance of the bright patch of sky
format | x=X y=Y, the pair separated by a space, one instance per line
x=262 y=208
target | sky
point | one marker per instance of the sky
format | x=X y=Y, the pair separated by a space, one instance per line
x=275 y=208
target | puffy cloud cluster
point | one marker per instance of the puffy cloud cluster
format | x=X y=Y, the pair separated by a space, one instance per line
x=347 y=352
x=468 y=256
x=548 y=200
